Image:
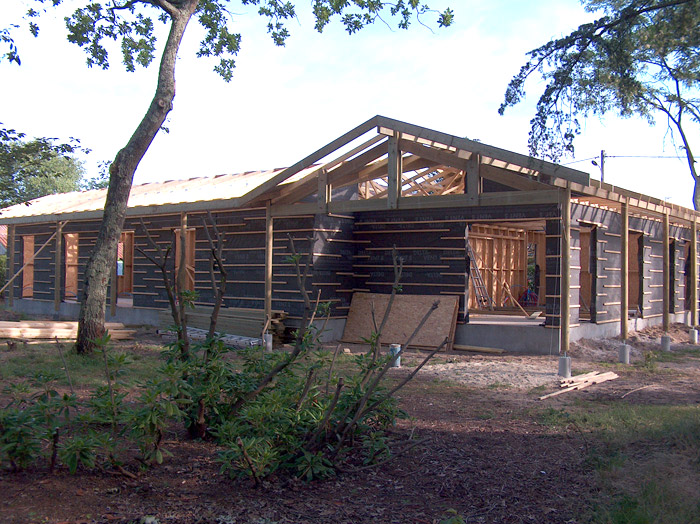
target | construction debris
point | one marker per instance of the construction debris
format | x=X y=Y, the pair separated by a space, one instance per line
x=241 y=322
x=234 y=341
x=46 y=329
x=581 y=381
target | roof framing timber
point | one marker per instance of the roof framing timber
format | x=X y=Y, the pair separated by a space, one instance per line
x=436 y=165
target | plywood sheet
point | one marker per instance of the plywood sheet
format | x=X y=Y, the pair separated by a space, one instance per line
x=406 y=313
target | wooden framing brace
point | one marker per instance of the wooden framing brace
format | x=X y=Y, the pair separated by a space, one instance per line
x=501 y=256
x=28 y=262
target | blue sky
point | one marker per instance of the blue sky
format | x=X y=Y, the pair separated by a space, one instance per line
x=284 y=103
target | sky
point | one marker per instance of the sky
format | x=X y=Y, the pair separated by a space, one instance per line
x=285 y=102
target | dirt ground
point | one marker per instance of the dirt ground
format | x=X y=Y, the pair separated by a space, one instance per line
x=484 y=455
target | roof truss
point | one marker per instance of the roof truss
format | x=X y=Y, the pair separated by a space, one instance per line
x=399 y=165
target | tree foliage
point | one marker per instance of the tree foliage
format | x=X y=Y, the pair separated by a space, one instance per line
x=35 y=168
x=642 y=57
x=132 y=23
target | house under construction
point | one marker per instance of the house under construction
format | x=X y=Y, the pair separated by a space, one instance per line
x=490 y=230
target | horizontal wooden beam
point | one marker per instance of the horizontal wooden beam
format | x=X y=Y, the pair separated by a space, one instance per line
x=506 y=198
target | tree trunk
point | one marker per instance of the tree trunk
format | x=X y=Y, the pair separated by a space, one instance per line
x=103 y=257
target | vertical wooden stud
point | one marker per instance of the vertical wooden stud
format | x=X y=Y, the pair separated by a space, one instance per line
x=113 y=289
x=269 y=237
x=624 y=276
x=58 y=268
x=394 y=172
x=467 y=274
x=694 y=274
x=667 y=273
x=523 y=260
x=473 y=179
x=11 y=262
x=181 y=256
x=564 y=286
x=324 y=192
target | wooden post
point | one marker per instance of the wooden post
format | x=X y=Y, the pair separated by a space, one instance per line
x=269 y=237
x=473 y=181
x=57 y=277
x=667 y=274
x=11 y=261
x=565 y=280
x=524 y=259
x=113 y=289
x=694 y=275
x=324 y=192
x=394 y=171
x=624 y=277
x=467 y=274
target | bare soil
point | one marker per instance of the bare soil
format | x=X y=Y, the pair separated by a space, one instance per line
x=485 y=454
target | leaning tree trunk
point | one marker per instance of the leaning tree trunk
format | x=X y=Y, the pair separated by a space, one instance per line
x=97 y=271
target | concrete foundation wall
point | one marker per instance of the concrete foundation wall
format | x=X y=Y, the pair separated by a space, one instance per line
x=70 y=310
x=529 y=339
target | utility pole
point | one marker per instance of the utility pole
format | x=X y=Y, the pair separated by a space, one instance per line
x=601 y=165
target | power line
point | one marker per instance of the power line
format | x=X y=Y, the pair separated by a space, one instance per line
x=621 y=156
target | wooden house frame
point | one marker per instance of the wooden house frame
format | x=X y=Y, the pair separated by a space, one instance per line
x=388 y=183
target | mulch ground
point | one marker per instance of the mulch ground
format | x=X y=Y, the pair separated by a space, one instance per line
x=490 y=465
x=484 y=455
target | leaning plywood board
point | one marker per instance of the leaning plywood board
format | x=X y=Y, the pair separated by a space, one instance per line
x=406 y=313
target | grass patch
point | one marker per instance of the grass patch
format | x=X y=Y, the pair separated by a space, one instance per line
x=647 y=458
x=678 y=354
x=85 y=371
x=537 y=390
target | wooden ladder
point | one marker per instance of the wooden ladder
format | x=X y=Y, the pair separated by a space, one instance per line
x=483 y=298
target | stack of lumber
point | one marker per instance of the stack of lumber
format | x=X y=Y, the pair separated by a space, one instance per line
x=231 y=321
x=405 y=315
x=232 y=341
x=580 y=382
x=47 y=329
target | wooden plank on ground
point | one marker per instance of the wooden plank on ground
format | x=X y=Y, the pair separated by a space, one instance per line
x=50 y=324
x=582 y=381
x=406 y=313
x=51 y=333
x=478 y=349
